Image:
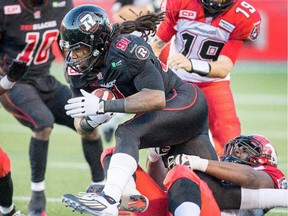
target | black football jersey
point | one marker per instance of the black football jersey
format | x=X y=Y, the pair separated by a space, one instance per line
x=27 y=33
x=127 y=70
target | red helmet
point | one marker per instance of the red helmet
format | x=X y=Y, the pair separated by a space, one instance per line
x=258 y=149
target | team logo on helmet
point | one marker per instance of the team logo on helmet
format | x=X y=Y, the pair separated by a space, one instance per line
x=88 y=22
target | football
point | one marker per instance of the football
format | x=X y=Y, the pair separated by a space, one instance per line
x=104 y=94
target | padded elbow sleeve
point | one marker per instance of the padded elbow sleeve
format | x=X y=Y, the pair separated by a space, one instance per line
x=263 y=198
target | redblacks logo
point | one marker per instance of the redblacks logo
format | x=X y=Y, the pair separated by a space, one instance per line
x=187 y=14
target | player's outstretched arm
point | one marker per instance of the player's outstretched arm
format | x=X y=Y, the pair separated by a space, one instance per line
x=239 y=174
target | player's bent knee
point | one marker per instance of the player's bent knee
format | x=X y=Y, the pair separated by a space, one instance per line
x=183 y=190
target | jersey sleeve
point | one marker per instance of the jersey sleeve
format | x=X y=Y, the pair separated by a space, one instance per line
x=166 y=29
x=137 y=58
x=149 y=78
x=132 y=51
x=248 y=22
x=277 y=176
x=232 y=49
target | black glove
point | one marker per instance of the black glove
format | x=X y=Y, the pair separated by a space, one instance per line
x=17 y=70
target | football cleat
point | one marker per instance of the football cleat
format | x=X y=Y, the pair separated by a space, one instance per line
x=91 y=203
x=136 y=203
x=37 y=204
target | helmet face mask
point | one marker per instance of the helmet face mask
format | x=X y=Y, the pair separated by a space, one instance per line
x=217 y=6
x=83 y=52
x=85 y=29
x=253 y=150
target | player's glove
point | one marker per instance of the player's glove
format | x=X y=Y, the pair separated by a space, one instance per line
x=17 y=70
x=193 y=162
x=89 y=123
x=155 y=153
x=88 y=105
x=97 y=120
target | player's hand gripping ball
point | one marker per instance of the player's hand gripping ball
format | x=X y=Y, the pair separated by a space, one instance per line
x=97 y=120
x=91 y=106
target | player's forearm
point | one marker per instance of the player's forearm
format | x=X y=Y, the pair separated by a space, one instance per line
x=220 y=68
x=242 y=175
x=143 y=101
x=157 y=45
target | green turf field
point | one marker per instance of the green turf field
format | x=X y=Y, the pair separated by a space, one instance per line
x=261 y=98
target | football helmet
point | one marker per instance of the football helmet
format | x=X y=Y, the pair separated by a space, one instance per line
x=253 y=150
x=216 y=6
x=87 y=28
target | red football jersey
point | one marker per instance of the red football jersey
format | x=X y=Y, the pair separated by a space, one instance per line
x=205 y=38
x=276 y=175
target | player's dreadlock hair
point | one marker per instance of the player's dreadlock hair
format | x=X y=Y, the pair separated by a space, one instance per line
x=145 y=24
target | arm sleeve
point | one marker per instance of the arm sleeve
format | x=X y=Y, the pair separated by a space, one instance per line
x=248 y=27
x=149 y=78
x=232 y=49
x=166 y=29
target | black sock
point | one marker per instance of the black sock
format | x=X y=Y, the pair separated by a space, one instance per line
x=38 y=152
x=6 y=191
x=92 y=151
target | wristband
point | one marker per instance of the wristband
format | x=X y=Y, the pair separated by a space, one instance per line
x=115 y=106
x=203 y=164
x=200 y=67
x=6 y=84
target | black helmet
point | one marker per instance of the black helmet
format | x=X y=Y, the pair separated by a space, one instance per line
x=216 y=6
x=89 y=26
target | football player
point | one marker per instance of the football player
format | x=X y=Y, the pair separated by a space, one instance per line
x=206 y=38
x=248 y=161
x=15 y=72
x=123 y=10
x=28 y=29
x=168 y=110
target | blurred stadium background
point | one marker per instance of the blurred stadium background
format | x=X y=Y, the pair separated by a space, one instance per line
x=259 y=83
